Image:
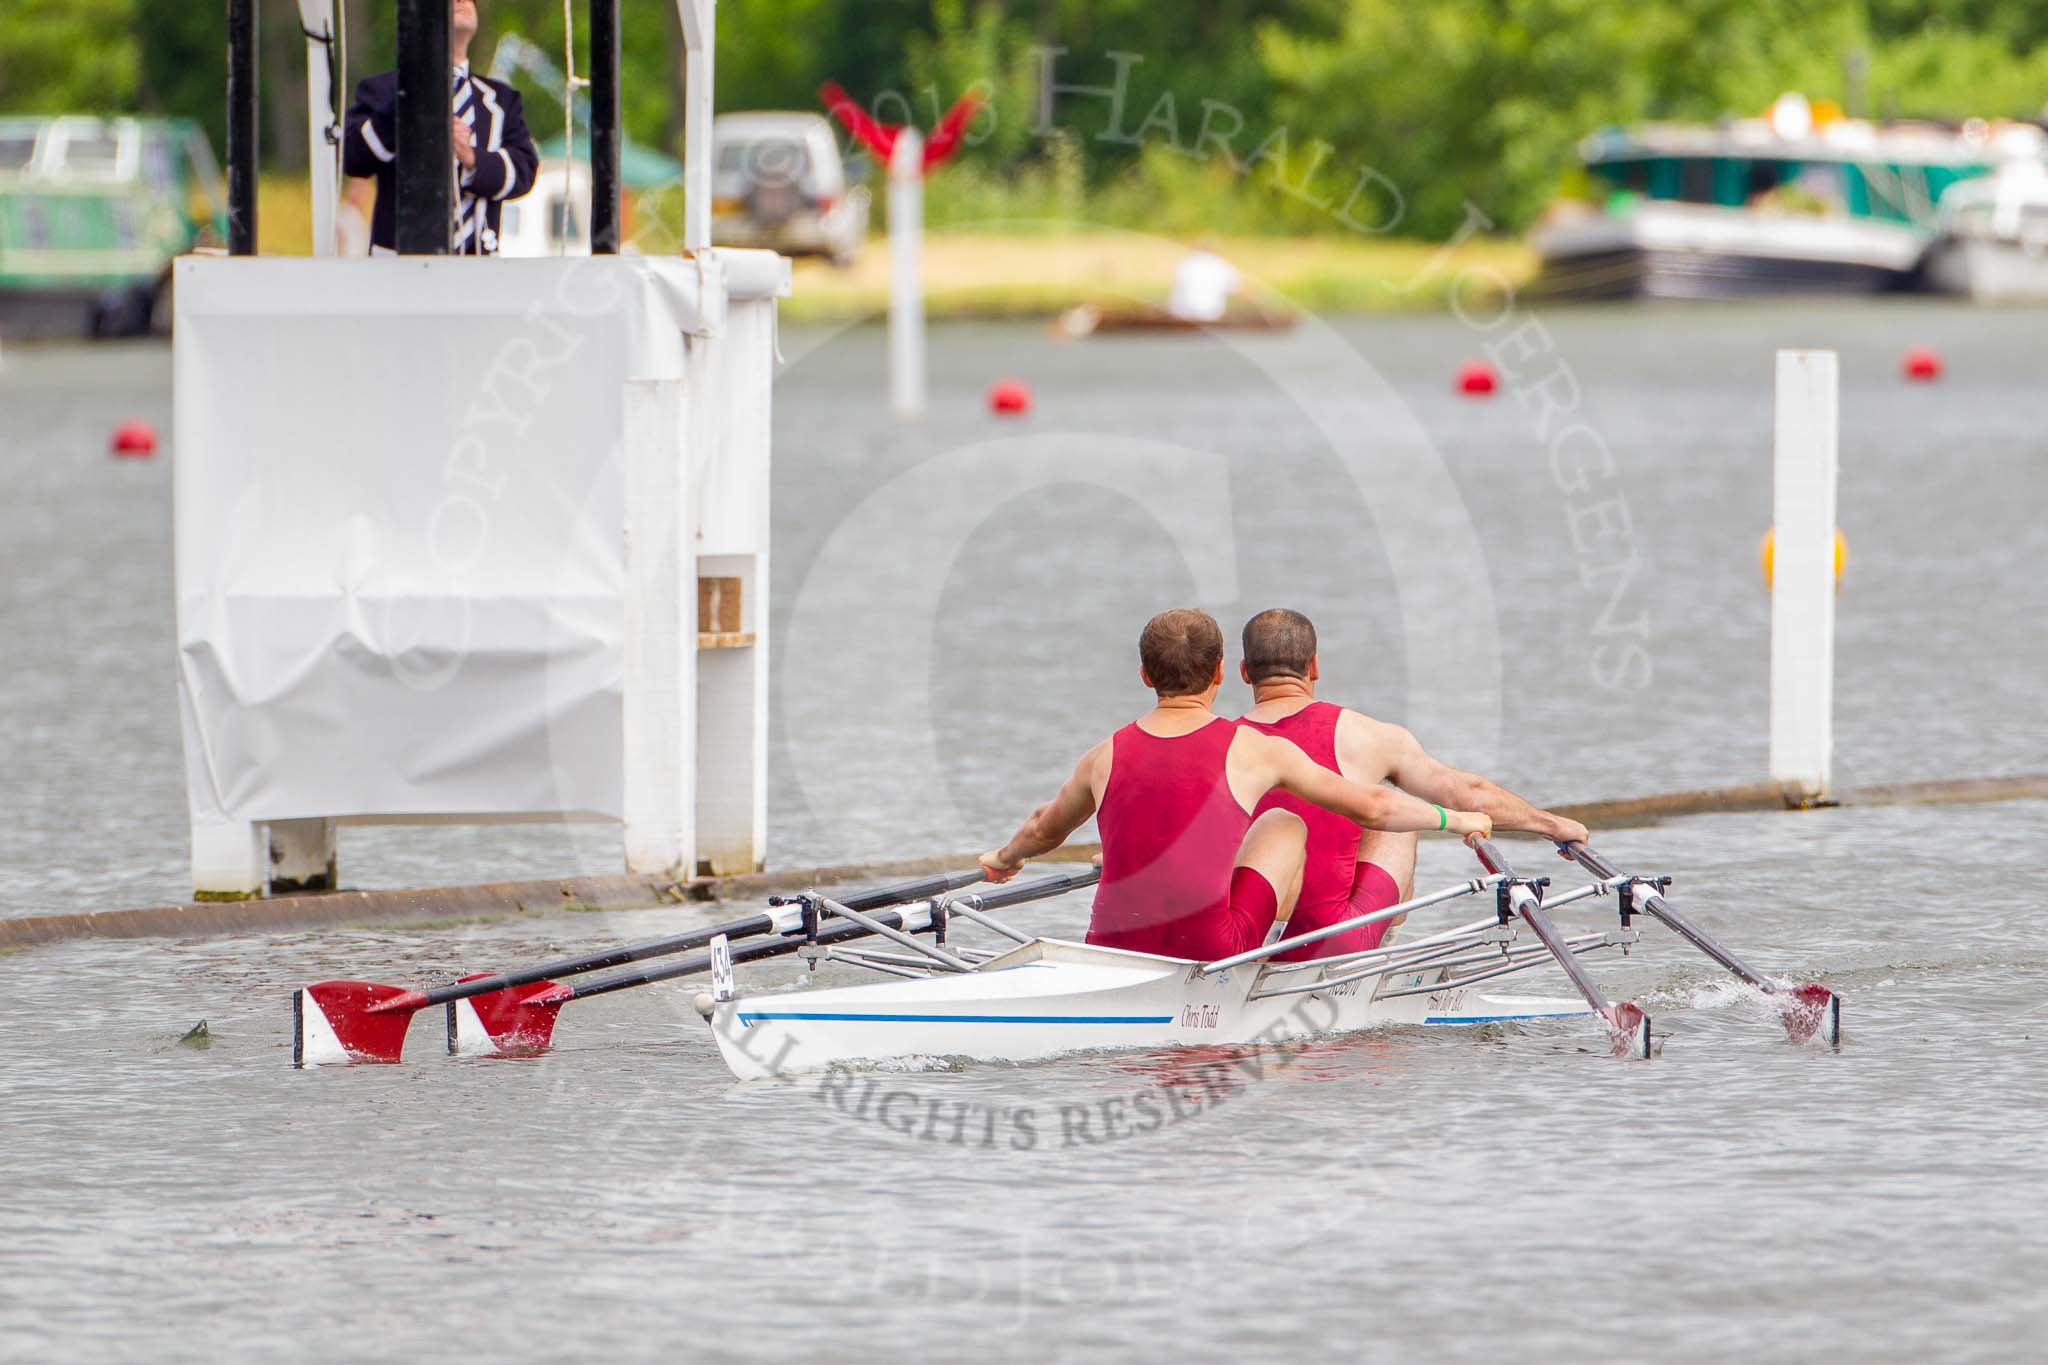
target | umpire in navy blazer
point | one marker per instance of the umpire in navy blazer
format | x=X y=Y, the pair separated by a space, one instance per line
x=493 y=151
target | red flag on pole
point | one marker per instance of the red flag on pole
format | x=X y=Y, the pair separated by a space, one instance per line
x=880 y=138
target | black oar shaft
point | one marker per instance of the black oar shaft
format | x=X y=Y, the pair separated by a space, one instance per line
x=751 y=926
x=701 y=962
x=1667 y=914
x=895 y=918
x=1033 y=891
x=1539 y=923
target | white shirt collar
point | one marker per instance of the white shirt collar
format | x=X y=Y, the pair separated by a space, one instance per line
x=462 y=70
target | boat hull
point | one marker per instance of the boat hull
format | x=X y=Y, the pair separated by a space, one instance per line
x=1050 y=997
x=1989 y=270
x=1663 y=251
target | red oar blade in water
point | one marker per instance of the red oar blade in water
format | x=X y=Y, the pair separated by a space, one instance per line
x=1806 y=1010
x=351 y=1021
x=518 y=1021
x=1809 y=1011
x=1628 y=1028
x=361 y=1021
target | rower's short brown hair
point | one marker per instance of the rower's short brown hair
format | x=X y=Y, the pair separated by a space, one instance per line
x=1181 y=650
x=1278 y=644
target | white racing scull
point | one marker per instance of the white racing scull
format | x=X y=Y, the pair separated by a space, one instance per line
x=1035 y=997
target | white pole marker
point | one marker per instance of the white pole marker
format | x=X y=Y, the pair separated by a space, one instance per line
x=1803 y=575
x=906 y=275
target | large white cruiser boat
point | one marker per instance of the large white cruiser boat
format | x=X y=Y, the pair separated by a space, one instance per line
x=1790 y=204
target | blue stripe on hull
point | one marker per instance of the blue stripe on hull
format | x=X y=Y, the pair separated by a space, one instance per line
x=751 y=1018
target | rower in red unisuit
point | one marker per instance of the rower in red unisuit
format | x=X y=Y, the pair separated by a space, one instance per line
x=1348 y=873
x=1190 y=868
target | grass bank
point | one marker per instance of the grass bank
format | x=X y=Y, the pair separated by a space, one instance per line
x=971 y=273
x=1034 y=269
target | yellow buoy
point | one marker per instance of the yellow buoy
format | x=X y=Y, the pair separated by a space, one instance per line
x=1766 y=554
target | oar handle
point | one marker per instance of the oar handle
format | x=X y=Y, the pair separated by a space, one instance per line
x=1490 y=857
x=924 y=888
x=1036 y=891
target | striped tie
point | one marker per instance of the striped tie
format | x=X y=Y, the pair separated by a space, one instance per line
x=467 y=226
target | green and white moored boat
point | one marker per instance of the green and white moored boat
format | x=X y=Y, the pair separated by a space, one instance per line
x=1789 y=204
x=92 y=212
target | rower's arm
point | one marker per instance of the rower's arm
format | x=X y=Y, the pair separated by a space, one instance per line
x=1050 y=825
x=1371 y=805
x=1413 y=768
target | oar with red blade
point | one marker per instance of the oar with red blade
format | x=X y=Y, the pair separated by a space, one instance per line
x=362 y=1021
x=522 y=1022
x=1628 y=1027
x=1806 y=1009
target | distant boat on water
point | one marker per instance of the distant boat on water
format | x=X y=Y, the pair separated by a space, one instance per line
x=92 y=212
x=1992 y=245
x=1088 y=319
x=1801 y=202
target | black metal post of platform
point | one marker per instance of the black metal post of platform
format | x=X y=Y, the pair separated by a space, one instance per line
x=426 y=140
x=242 y=127
x=604 y=127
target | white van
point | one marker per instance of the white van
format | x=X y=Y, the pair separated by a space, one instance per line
x=554 y=218
x=778 y=181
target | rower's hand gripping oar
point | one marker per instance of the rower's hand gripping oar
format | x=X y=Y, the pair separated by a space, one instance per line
x=1806 y=1009
x=361 y=1021
x=1628 y=1027
x=527 y=1027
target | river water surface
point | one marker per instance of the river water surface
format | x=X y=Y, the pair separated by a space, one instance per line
x=1412 y=1194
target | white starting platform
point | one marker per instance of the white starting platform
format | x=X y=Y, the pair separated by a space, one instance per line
x=473 y=540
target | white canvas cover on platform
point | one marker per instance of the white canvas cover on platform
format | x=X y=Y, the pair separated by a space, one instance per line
x=399 y=508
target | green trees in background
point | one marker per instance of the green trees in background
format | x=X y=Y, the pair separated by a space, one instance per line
x=58 y=56
x=1443 y=103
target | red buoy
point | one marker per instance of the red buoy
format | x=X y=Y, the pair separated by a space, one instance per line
x=1476 y=378
x=134 y=440
x=1922 y=363
x=1009 y=396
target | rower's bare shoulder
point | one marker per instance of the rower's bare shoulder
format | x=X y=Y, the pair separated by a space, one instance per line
x=1093 y=769
x=1368 y=749
x=1249 y=740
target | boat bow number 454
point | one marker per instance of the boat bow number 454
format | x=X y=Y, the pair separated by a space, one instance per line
x=960 y=981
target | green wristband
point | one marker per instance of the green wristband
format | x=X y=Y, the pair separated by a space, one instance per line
x=1443 y=821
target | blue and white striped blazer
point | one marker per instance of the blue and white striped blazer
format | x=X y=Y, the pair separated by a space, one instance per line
x=505 y=157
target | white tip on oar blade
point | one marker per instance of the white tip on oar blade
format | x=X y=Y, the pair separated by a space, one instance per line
x=337 y=1022
x=518 y=1021
x=1808 y=1010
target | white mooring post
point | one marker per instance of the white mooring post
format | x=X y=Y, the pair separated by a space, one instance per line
x=700 y=34
x=316 y=19
x=1803 y=573
x=906 y=275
